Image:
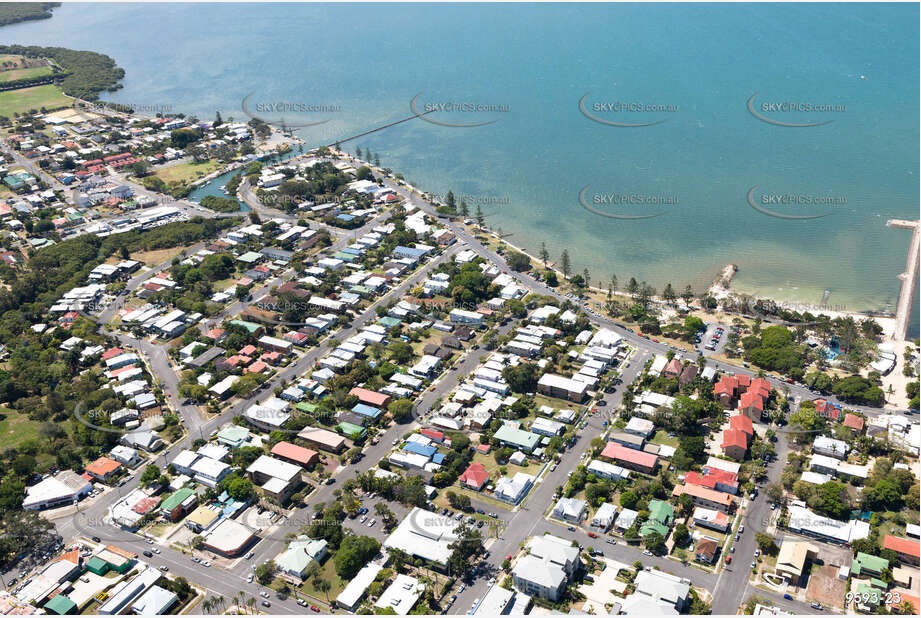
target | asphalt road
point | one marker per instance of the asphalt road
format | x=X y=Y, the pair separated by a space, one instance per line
x=730 y=587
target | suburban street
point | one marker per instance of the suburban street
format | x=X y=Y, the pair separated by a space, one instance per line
x=730 y=587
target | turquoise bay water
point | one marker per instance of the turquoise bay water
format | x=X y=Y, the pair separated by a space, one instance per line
x=537 y=61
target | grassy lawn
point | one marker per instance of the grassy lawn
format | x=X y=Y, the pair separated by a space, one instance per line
x=18 y=101
x=184 y=173
x=556 y=404
x=661 y=437
x=30 y=73
x=16 y=428
x=328 y=572
x=157 y=256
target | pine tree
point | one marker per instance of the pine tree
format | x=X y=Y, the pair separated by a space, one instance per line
x=464 y=209
x=358 y=152
x=377 y=159
x=544 y=254
x=613 y=285
x=585 y=277
x=669 y=293
x=564 y=263
x=449 y=200
x=479 y=215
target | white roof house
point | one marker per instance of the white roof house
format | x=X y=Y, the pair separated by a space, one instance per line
x=604 y=516
x=401 y=595
x=425 y=535
x=626 y=519
x=514 y=489
x=352 y=594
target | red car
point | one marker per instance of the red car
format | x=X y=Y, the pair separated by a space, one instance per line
x=593 y=535
x=314 y=608
x=728 y=559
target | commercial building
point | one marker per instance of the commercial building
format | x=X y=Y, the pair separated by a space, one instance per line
x=155 y=602
x=425 y=535
x=228 y=538
x=125 y=592
x=66 y=487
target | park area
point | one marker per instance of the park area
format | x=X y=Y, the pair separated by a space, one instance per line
x=23 y=100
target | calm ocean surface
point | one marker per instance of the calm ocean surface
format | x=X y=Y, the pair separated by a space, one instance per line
x=531 y=65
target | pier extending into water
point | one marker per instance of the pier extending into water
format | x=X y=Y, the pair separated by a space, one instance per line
x=376 y=129
x=909 y=277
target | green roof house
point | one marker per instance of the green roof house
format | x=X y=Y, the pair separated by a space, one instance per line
x=351 y=430
x=510 y=435
x=301 y=552
x=233 y=436
x=661 y=514
x=868 y=566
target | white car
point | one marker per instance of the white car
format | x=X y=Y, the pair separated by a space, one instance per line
x=371 y=523
x=249 y=578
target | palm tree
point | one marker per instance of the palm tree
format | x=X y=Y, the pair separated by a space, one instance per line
x=206 y=605
x=251 y=603
x=322 y=586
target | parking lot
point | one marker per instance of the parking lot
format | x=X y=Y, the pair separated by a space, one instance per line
x=713 y=339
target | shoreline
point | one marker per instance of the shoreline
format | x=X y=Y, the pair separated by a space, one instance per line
x=720 y=288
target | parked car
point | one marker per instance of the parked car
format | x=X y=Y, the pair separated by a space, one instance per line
x=149 y=554
x=728 y=559
x=163 y=567
x=788 y=597
x=592 y=535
